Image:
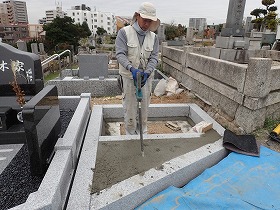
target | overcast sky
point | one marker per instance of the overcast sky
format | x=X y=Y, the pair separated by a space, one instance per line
x=176 y=11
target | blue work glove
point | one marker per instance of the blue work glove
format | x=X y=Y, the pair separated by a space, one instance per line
x=144 y=77
x=134 y=73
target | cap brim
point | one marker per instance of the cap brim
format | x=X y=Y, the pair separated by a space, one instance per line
x=148 y=17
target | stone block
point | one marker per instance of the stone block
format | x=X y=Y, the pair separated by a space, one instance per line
x=201 y=50
x=238 y=44
x=222 y=42
x=258 y=77
x=228 y=54
x=173 y=54
x=215 y=52
x=230 y=73
x=275 y=78
x=250 y=120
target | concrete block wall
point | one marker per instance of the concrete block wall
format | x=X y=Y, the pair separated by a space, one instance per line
x=70 y=86
x=97 y=87
x=233 y=55
x=247 y=93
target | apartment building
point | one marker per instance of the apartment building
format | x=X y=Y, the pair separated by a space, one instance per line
x=42 y=20
x=17 y=11
x=13 y=21
x=35 y=31
x=94 y=19
x=4 y=17
x=52 y=14
x=198 y=23
x=11 y=33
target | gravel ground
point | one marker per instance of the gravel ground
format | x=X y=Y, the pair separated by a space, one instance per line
x=16 y=181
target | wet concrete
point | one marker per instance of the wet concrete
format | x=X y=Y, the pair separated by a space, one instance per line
x=119 y=160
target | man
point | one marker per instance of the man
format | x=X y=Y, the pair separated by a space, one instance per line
x=137 y=49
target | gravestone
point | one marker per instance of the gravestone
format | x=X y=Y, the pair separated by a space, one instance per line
x=93 y=66
x=232 y=36
x=29 y=113
x=21 y=45
x=41 y=48
x=42 y=128
x=161 y=35
x=234 y=19
x=248 y=26
x=189 y=34
x=21 y=78
x=34 y=48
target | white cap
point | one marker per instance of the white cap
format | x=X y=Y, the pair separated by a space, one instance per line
x=148 y=11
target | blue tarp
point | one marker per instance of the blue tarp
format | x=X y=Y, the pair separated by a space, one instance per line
x=236 y=182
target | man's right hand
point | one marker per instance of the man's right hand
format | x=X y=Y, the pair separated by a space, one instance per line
x=134 y=73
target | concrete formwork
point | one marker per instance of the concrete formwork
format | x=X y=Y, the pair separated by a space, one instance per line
x=131 y=192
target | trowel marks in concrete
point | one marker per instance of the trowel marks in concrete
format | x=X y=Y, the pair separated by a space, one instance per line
x=119 y=160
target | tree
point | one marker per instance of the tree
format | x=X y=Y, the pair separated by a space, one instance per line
x=63 y=31
x=171 y=31
x=100 y=31
x=84 y=29
x=265 y=18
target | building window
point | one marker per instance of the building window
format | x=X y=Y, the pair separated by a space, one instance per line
x=95 y=26
x=101 y=15
x=101 y=21
x=95 y=20
x=85 y=14
x=108 y=23
x=95 y=15
x=73 y=14
x=108 y=28
x=108 y=18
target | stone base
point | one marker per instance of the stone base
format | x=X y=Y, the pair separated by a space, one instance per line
x=232 y=42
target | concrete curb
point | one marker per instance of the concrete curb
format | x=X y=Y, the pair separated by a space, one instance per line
x=54 y=189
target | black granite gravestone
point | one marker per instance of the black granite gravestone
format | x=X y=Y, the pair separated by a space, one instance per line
x=42 y=127
x=29 y=113
x=21 y=78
